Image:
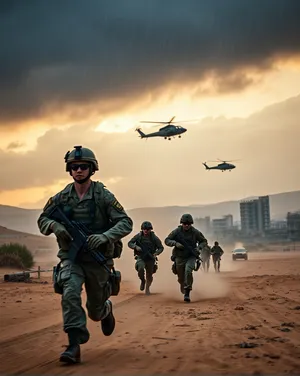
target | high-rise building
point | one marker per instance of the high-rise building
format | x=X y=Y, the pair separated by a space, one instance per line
x=255 y=216
x=293 y=225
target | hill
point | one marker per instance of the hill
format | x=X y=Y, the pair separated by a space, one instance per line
x=163 y=218
x=33 y=242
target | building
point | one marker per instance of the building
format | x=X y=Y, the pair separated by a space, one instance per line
x=255 y=216
x=222 y=225
x=203 y=224
x=293 y=225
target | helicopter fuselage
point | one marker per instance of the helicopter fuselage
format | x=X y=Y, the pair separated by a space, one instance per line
x=167 y=131
x=221 y=166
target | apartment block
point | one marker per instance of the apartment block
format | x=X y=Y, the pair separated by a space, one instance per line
x=255 y=216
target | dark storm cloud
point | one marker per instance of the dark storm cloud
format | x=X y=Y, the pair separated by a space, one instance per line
x=60 y=53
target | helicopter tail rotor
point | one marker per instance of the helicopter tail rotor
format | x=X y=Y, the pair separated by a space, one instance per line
x=140 y=132
x=205 y=165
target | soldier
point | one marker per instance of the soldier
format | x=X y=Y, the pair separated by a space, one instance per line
x=147 y=246
x=88 y=202
x=205 y=257
x=217 y=252
x=187 y=241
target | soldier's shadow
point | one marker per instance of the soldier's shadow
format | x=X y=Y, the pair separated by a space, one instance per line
x=116 y=358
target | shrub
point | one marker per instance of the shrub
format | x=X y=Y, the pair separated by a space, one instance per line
x=16 y=255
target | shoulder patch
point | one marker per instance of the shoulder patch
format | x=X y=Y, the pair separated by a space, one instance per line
x=49 y=202
x=117 y=205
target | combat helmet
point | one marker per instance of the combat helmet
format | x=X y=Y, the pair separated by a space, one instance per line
x=186 y=218
x=81 y=154
x=146 y=225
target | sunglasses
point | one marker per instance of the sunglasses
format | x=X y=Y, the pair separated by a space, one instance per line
x=186 y=223
x=83 y=166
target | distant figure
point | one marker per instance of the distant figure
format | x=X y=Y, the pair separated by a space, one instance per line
x=205 y=257
x=187 y=241
x=89 y=203
x=217 y=252
x=147 y=246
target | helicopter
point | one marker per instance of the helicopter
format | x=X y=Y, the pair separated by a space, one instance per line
x=168 y=131
x=223 y=166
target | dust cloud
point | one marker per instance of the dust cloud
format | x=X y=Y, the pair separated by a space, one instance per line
x=209 y=285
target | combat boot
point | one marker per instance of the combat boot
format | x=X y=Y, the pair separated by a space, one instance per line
x=182 y=290
x=147 y=292
x=186 y=297
x=142 y=286
x=71 y=355
x=109 y=322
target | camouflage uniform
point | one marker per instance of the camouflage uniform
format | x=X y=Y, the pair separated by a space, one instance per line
x=205 y=257
x=146 y=261
x=102 y=214
x=184 y=261
x=217 y=252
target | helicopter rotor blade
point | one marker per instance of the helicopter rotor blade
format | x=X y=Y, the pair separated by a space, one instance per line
x=185 y=121
x=155 y=122
x=232 y=160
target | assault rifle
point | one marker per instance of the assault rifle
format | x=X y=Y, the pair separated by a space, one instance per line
x=190 y=248
x=146 y=251
x=80 y=233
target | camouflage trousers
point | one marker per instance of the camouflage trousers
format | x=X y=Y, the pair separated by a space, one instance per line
x=205 y=261
x=70 y=279
x=185 y=268
x=217 y=261
x=141 y=266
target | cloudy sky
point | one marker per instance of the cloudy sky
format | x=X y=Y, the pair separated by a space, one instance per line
x=86 y=72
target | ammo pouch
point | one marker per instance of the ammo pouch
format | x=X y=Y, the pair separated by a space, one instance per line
x=118 y=248
x=155 y=266
x=57 y=288
x=115 y=282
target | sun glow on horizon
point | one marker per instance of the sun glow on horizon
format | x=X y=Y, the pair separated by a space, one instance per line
x=185 y=102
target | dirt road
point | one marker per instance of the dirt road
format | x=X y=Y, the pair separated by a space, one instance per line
x=254 y=303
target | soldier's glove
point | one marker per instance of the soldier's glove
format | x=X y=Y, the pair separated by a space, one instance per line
x=137 y=249
x=197 y=252
x=61 y=232
x=179 y=245
x=95 y=241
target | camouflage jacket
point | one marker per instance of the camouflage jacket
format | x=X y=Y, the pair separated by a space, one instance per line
x=99 y=210
x=152 y=243
x=217 y=250
x=193 y=236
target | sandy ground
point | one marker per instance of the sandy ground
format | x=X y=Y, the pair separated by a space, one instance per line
x=256 y=302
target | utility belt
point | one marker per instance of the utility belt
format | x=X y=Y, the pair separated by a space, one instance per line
x=61 y=273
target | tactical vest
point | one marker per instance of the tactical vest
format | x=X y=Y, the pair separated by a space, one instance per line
x=193 y=242
x=88 y=215
x=151 y=240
